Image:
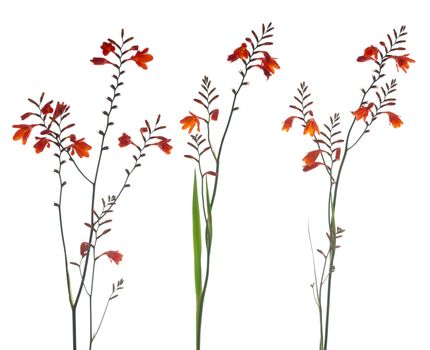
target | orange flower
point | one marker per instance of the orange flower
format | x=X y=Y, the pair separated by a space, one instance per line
x=268 y=65
x=190 y=122
x=124 y=140
x=402 y=62
x=362 y=112
x=394 y=119
x=79 y=146
x=311 y=157
x=98 y=61
x=114 y=255
x=23 y=132
x=288 y=123
x=47 y=108
x=240 y=53
x=40 y=145
x=164 y=144
x=107 y=48
x=141 y=58
x=311 y=127
x=84 y=248
x=370 y=53
x=311 y=166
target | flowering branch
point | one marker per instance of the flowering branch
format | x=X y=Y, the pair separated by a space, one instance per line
x=252 y=56
x=332 y=149
x=50 y=121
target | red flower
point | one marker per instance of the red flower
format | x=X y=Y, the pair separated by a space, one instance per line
x=395 y=120
x=141 y=58
x=40 y=145
x=311 y=166
x=124 y=140
x=98 y=61
x=311 y=127
x=23 y=132
x=370 y=53
x=190 y=122
x=241 y=52
x=337 y=153
x=362 y=112
x=47 y=108
x=402 y=62
x=143 y=130
x=214 y=114
x=107 y=48
x=164 y=144
x=288 y=123
x=84 y=248
x=114 y=255
x=311 y=157
x=268 y=65
x=79 y=146
x=60 y=108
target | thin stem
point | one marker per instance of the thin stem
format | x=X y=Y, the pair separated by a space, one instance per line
x=80 y=272
x=75 y=346
x=202 y=300
x=94 y=182
x=214 y=190
x=76 y=164
x=315 y=288
x=333 y=201
x=94 y=186
x=101 y=320
x=106 y=209
x=125 y=184
x=209 y=139
x=91 y=292
x=63 y=240
x=209 y=237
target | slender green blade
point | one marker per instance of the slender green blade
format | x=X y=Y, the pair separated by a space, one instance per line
x=197 y=241
x=209 y=210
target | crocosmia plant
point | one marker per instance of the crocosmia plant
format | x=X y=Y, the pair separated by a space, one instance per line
x=332 y=147
x=252 y=55
x=53 y=129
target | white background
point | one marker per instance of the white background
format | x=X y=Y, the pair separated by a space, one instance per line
x=259 y=295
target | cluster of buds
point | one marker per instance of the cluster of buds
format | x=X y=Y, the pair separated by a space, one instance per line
x=254 y=56
x=148 y=138
x=50 y=122
x=140 y=57
x=382 y=102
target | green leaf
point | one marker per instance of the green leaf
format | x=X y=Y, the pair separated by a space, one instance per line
x=197 y=241
x=209 y=217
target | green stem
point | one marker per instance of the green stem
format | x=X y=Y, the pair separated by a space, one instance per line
x=94 y=182
x=218 y=158
x=199 y=312
x=333 y=202
x=90 y=294
x=209 y=236
x=210 y=201
x=103 y=316
x=332 y=252
x=75 y=346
